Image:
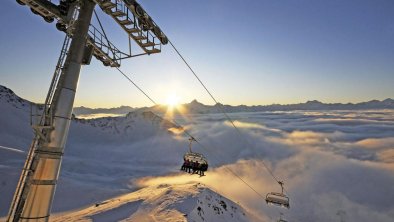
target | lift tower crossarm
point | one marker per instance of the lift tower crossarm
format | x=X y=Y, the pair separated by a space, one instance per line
x=44 y=8
x=103 y=51
x=131 y=17
x=125 y=14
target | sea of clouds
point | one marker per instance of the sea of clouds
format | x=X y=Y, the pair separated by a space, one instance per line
x=336 y=165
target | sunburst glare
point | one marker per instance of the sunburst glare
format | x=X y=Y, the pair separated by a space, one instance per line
x=172 y=100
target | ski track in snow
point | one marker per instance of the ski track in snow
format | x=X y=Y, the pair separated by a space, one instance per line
x=12 y=149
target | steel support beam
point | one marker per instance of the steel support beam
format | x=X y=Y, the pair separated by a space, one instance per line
x=39 y=192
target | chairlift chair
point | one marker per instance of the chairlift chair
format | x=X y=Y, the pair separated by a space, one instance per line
x=279 y=199
x=195 y=157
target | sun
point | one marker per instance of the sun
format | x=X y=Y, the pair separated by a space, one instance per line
x=173 y=100
x=174 y=106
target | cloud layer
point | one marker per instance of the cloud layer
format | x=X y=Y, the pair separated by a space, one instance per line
x=334 y=164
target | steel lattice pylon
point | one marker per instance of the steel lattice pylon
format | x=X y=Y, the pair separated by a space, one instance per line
x=36 y=187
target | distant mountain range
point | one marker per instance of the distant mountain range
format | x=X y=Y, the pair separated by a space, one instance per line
x=196 y=107
x=116 y=110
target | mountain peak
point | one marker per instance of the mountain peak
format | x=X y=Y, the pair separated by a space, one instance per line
x=5 y=90
x=314 y=102
x=9 y=97
x=164 y=202
x=388 y=100
x=195 y=102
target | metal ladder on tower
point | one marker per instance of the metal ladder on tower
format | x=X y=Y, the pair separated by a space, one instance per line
x=41 y=130
x=124 y=16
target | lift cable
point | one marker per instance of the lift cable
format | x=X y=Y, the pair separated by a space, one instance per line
x=105 y=35
x=213 y=98
x=221 y=108
x=189 y=134
x=132 y=82
x=153 y=101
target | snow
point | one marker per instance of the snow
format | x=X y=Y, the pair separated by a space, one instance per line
x=177 y=202
x=102 y=158
x=330 y=160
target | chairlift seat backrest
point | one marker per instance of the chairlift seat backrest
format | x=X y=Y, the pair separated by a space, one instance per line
x=279 y=199
x=192 y=156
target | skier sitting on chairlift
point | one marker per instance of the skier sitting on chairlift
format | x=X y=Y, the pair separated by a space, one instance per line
x=194 y=162
x=185 y=164
x=203 y=167
x=195 y=167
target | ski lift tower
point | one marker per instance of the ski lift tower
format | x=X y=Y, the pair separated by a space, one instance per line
x=36 y=187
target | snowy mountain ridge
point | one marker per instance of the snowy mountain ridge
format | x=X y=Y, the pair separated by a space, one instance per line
x=164 y=203
x=114 y=125
x=103 y=159
x=130 y=123
x=9 y=97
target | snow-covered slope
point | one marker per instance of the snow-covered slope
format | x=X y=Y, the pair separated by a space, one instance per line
x=164 y=203
x=15 y=135
x=132 y=123
x=103 y=158
x=14 y=119
x=318 y=154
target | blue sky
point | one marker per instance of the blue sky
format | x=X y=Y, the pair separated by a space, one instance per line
x=246 y=51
